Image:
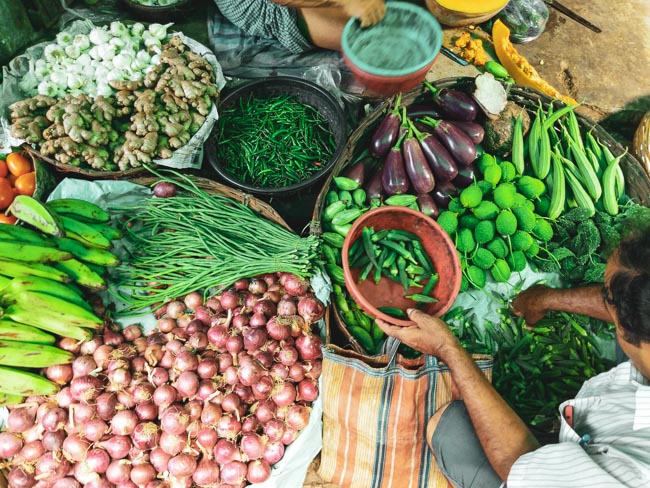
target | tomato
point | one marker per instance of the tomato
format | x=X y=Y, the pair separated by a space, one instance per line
x=7 y=219
x=6 y=193
x=26 y=183
x=3 y=169
x=18 y=164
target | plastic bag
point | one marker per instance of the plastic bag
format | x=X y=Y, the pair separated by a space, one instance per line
x=526 y=19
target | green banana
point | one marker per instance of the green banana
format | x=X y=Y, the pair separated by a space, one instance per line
x=18 y=233
x=66 y=291
x=31 y=253
x=111 y=233
x=36 y=214
x=4 y=281
x=10 y=399
x=24 y=383
x=26 y=355
x=12 y=269
x=13 y=331
x=79 y=208
x=40 y=303
x=84 y=233
x=82 y=274
x=53 y=322
x=90 y=254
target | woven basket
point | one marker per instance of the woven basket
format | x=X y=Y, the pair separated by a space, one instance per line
x=637 y=181
x=162 y=15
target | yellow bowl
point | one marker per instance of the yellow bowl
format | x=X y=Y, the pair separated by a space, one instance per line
x=456 y=13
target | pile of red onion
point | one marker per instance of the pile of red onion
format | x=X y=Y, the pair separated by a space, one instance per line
x=210 y=398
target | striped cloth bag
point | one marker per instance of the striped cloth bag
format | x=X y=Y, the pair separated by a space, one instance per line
x=375 y=411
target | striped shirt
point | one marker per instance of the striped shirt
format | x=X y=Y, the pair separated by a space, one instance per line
x=609 y=443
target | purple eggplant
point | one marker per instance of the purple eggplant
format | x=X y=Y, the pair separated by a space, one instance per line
x=356 y=171
x=455 y=104
x=443 y=193
x=466 y=176
x=424 y=109
x=459 y=145
x=475 y=131
x=427 y=205
x=440 y=161
x=374 y=188
x=385 y=135
x=417 y=167
x=393 y=177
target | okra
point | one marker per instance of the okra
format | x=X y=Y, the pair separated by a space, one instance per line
x=422 y=256
x=379 y=235
x=433 y=280
x=365 y=271
x=400 y=235
x=402 y=251
x=368 y=247
x=420 y=298
x=378 y=269
x=403 y=277
x=359 y=261
x=345 y=184
x=393 y=312
x=390 y=259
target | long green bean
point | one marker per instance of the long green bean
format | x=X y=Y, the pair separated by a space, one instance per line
x=200 y=241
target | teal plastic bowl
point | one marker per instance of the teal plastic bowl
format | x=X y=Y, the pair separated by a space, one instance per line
x=395 y=54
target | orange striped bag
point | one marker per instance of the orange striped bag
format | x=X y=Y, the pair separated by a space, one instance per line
x=375 y=411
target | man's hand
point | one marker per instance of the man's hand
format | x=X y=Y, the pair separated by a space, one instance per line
x=429 y=335
x=531 y=304
x=369 y=12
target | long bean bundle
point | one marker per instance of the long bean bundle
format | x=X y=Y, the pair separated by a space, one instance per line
x=273 y=142
x=196 y=240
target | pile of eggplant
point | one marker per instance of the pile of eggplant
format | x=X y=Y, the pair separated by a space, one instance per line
x=426 y=149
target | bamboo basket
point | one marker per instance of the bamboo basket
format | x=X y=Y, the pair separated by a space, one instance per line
x=637 y=182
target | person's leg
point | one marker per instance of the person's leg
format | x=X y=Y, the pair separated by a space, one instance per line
x=457 y=450
x=323 y=26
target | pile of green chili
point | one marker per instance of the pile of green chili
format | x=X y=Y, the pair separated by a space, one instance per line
x=200 y=241
x=273 y=142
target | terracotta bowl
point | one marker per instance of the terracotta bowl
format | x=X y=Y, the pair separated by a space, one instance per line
x=388 y=293
x=457 y=18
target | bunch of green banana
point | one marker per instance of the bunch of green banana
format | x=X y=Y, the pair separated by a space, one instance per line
x=44 y=267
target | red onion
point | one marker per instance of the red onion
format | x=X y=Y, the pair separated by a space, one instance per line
x=198 y=341
x=64 y=397
x=158 y=376
x=294 y=285
x=69 y=344
x=117 y=446
x=230 y=375
x=142 y=473
x=10 y=444
x=273 y=452
x=254 y=339
x=288 y=355
x=226 y=451
x=54 y=419
x=257 y=286
x=142 y=392
x=263 y=388
x=132 y=332
x=298 y=417
x=265 y=358
x=265 y=306
x=118 y=379
x=310 y=309
x=274 y=430
x=21 y=478
x=313 y=369
x=30 y=452
x=284 y=395
x=89 y=347
x=85 y=388
x=307 y=390
x=119 y=471
x=230 y=299
x=53 y=441
x=230 y=402
x=203 y=314
x=297 y=372
x=309 y=347
x=187 y=384
x=97 y=460
x=277 y=330
x=250 y=424
x=66 y=482
x=159 y=459
x=139 y=363
x=146 y=411
x=165 y=395
x=175 y=309
x=193 y=300
x=75 y=448
x=207 y=438
x=271 y=279
x=286 y=307
x=279 y=371
x=174 y=420
x=51 y=467
x=218 y=335
x=257 y=320
x=210 y=414
x=182 y=465
x=94 y=429
x=234 y=472
x=289 y=436
x=244 y=392
x=172 y=444
x=21 y=419
x=59 y=373
x=102 y=355
x=106 y=405
x=214 y=304
x=239 y=321
x=112 y=338
x=167 y=360
x=258 y=471
x=252 y=445
x=228 y=427
x=166 y=324
x=225 y=360
x=84 y=474
x=265 y=410
x=207 y=368
x=82 y=412
x=193 y=409
x=98 y=483
x=124 y=422
x=206 y=473
x=249 y=372
x=207 y=390
x=186 y=361
x=145 y=435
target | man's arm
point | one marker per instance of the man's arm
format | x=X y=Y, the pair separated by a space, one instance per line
x=536 y=301
x=503 y=435
x=369 y=12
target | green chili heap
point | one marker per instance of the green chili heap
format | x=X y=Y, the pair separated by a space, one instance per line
x=273 y=142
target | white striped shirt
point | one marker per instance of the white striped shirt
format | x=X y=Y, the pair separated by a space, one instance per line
x=613 y=409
